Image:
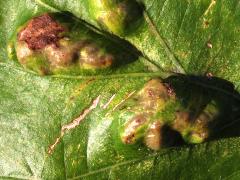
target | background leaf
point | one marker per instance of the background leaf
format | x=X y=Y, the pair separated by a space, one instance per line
x=172 y=37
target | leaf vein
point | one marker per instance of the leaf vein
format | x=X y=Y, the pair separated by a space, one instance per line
x=168 y=50
x=116 y=165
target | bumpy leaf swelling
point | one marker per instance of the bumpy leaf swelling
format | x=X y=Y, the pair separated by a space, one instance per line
x=199 y=39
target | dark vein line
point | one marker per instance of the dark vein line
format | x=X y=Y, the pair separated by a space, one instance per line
x=26 y=164
x=217 y=89
x=16 y=177
x=228 y=125
x=168 y=50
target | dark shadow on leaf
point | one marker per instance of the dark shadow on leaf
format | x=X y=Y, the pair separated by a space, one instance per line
x=105 y=46
x=124 y=52
x=197 y=92
x=198 y=109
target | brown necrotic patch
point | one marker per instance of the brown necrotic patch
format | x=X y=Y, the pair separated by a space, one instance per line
x=41 y=31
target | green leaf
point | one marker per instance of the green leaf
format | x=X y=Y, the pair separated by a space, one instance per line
x=195 y=37
x=170 y=36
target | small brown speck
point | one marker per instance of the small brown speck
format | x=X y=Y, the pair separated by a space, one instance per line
x=209 y=45
x=206 y=24
x=209 y=75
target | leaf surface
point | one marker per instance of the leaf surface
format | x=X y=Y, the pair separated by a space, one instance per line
x=171 y=37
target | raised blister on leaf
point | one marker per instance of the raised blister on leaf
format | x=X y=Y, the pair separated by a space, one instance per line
x=153 y=95
x=33 y=60
x=135 y=129
x=115 y=15
x=164 y=106
x=47 y=45
x=195 y=129
x=143 y=106
x=153 y=138
x=91 y=56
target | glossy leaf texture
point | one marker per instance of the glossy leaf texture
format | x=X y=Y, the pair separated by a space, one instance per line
x=192 y=37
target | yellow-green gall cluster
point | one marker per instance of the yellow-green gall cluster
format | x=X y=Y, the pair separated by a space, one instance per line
x=156 y=114
x=46 y=46
x=115 y=15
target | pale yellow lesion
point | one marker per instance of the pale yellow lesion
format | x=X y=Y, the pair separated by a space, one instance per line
x=210 y=7
x=91 y=56
x=206 y=20
x=114 y=15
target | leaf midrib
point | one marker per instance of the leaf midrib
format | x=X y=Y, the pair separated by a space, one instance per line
x=117 y=165
x=163 y=75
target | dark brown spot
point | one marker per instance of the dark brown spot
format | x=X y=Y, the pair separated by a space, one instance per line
x=209 y=45
x=40 y=32
x=206 y=24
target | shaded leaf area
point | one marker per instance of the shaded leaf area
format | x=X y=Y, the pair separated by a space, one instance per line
x=34 y=108
x=195 y=37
